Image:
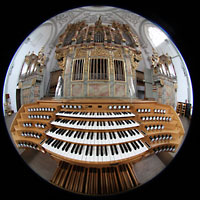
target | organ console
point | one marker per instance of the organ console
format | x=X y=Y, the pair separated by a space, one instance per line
x=95 y=136
x=97 y=130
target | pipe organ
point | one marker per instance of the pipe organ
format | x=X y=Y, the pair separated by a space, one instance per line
x=97 y=129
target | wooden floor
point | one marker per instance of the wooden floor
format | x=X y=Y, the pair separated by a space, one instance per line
x=95 y=181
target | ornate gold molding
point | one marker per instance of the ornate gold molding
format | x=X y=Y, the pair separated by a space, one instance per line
x=80 y=53
x=118 y=53
x=100 y=51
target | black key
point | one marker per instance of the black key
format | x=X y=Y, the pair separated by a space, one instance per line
x=142 y=145
x=47 y=141
x=53 y=143
x=125 y=133
x=53 y=129
x=63 y=132
x=88 y=134
x=122 y=149
x=71 y=132
x=110 y=135
x=56 y=144
x=64 y=146
x=91 y=147
x=122 y=134
x=137 y=131
x=73 y=148
x=119 y=134
x=80 y=150
x=128 y=146
x=105 y=137
x=62 y=121
x=122 y=122
x=67 y=147
x=133 y=131
x=136 y=144
x=92 y=135
x=67 y=133
x=76 y=133
x=83 y=133
x=106 y=152
x=101 y=150
x=114 y=136
x=52 y=139
x=57 y=131
x=97 y=151
x=133 y=145
x=126 y=149
x=111 y=148
x=87 y=150
x=116 y=149
x=61 y=142
x=76 y=150
x=79 y=134
x=130 y=133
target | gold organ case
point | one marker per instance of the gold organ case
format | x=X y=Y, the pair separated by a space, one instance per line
x=95 y=127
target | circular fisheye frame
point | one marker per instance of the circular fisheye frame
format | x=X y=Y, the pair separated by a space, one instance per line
x=97 y=100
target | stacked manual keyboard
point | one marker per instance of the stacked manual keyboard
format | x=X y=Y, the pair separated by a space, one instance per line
x=88 y=137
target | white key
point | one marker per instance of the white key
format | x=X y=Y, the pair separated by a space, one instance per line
x=106 y=157
x=118 y=156
x=95 y=158
x=91 y=157
x=83 y=152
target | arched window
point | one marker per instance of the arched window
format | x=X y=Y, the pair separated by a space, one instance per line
x=155 y=35
x=24 y=69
